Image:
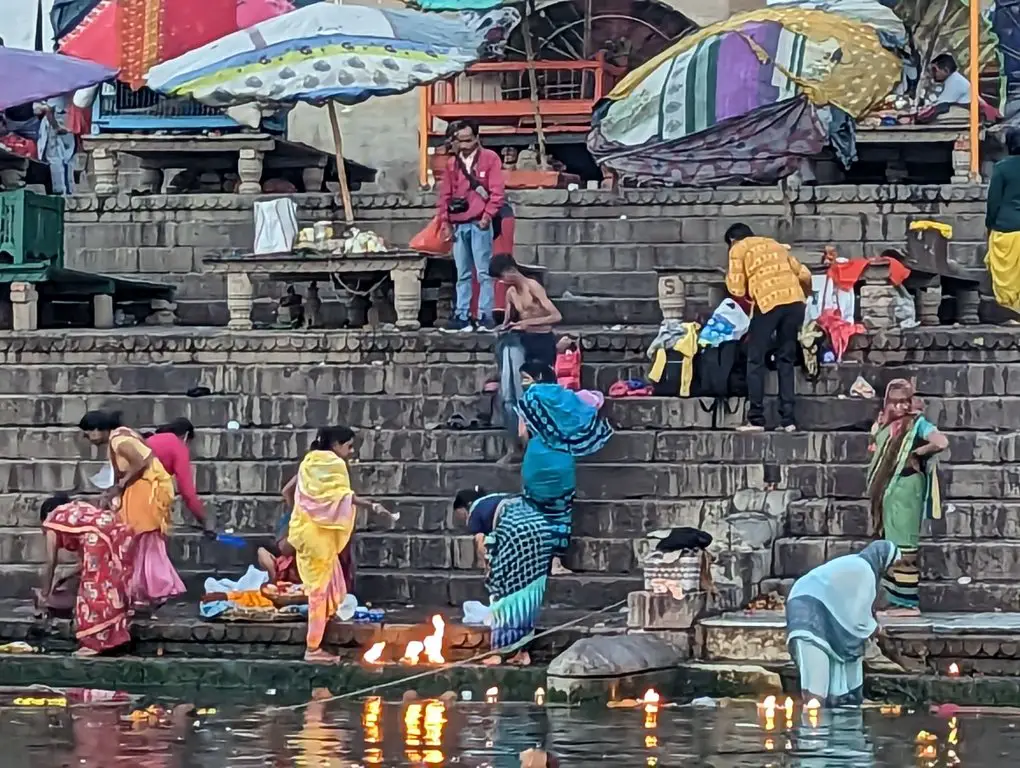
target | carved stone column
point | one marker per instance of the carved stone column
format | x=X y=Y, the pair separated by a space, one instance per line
x=929 y=299
x=102 y=311
x=105 y=163
x=151 y=180
x=24 y=307
x=407 y=295
x=878 y=299
x=968 y=301
x=239 y=301
x=961 y=160
x=249 y=170
x=312 y=178
x=672 y=297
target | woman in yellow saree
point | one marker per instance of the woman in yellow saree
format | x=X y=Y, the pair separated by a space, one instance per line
x=143 y=496
x=321 y=524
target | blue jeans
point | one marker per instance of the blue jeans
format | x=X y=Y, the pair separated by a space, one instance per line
x=472 y=252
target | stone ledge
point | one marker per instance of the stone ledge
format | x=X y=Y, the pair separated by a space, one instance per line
x=900 y=346
x=861 y=193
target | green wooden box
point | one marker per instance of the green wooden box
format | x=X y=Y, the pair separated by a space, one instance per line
x=31 y=233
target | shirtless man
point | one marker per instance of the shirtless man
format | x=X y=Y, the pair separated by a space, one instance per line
x=530 y=316
x=528 y=310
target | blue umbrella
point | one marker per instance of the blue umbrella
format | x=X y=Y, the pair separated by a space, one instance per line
x=34 y=76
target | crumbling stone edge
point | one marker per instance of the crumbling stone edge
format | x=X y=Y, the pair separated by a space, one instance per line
x=293 y=678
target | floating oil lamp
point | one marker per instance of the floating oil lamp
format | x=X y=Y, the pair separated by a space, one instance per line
x=413 y=652
x=492 y=695
x=651 y=700
x=374 y=654
x=954 y=670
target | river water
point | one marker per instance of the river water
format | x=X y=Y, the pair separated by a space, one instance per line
x=427 y=733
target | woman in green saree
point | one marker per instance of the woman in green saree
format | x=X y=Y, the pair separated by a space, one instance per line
x=903 y=486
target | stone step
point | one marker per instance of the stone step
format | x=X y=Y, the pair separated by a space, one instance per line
x=962 y=518
x=579 y=258
x=604 y=312
x=373 y=549
x=941 y=559
x=425 y=377
x=605 y=518
x=827 y=412
x=588 y=284
x=403 y=587
x=595 y=480
x=488 y=445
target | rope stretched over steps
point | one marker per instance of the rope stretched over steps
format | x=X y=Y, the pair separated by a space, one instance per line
x=451 y=665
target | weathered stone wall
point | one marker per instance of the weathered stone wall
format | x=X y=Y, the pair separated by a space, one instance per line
x=600 y=248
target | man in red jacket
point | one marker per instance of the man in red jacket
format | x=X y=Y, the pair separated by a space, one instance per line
x=471 y=196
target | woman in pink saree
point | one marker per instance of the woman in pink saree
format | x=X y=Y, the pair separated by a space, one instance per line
x=105 y=547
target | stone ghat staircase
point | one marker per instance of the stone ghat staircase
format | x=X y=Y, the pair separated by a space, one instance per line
x=601 y=249
x=666 y=466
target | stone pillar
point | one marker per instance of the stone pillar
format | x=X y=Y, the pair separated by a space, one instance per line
x=672 y=299
x=239 y=301
x=929 y=299
x=151 y=180
x=961 y=159
x=312 y=178
x=249 y=169
x=102 y=311
x=968 y=301
x=104 y=166
x=878 y=299
x=407 y=295
x=24 y=307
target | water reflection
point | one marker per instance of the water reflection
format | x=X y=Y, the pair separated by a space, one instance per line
x=432 y=732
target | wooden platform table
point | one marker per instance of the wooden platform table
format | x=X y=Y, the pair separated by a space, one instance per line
x=405 y=269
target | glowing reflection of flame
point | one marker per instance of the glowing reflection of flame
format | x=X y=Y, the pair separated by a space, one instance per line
x=651 y=741
x=433 y=644
x=373 y=654
x=371 y=720
x=413 y=652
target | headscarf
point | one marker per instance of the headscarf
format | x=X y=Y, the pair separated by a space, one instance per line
x=831 y=605
x=562 y=420
x=896 y=386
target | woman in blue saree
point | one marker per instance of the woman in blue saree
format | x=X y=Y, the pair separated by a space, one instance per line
x=830 y=615
x=558 y=428
x=903 y=485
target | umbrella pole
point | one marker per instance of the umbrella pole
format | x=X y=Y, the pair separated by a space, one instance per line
x=341 y=170
x=529 y=56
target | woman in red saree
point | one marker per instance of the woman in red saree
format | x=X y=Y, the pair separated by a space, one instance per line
x=105 y=546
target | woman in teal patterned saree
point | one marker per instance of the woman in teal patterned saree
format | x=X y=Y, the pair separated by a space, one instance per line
x=903 y=485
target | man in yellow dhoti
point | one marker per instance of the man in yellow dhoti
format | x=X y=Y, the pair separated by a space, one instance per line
x=1002 y=218
x=321 y=524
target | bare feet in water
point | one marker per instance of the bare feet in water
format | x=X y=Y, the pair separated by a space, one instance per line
x=85 y=653
x=558 y=569
x=521 y=659
x=320 y=657
x=492 y=661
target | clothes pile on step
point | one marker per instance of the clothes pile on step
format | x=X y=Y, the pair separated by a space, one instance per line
x=680 y=562
x=251 y=598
